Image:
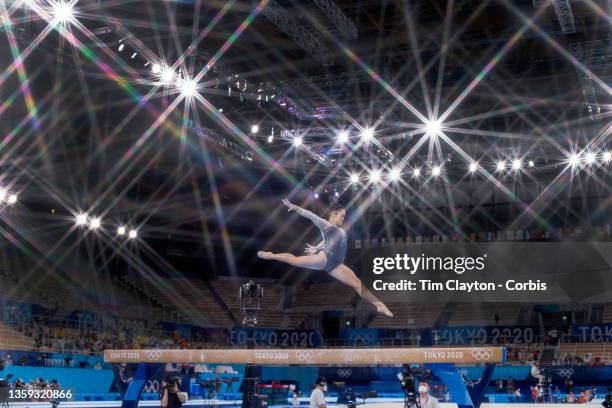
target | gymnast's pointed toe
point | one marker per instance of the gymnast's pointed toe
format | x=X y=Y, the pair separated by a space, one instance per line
x=381 y=308
x=264 y=255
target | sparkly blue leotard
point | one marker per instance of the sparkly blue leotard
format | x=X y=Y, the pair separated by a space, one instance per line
x=334 y=239
x=334 y=246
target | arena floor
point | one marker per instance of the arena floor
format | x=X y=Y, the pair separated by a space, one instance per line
x=372 y=403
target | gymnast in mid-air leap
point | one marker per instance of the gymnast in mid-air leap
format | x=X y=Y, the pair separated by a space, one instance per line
x=329 y=254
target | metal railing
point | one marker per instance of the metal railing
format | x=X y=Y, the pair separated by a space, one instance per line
x=600 y=352
x=585 y=339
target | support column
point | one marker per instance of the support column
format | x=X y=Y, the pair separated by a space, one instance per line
x=130 y=396
x=464 y=396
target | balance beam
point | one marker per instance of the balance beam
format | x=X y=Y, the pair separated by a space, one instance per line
x=313 y=357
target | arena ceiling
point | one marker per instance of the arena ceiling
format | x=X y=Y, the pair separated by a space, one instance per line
x=92 y=124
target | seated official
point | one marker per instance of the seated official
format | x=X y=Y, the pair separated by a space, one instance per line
x=426 y=400
x=317 y=396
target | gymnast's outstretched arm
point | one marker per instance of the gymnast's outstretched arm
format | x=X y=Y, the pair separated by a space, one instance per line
x=316 y=220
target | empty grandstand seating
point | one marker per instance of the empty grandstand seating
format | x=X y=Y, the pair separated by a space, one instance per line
x=191 y=298
x=323 y=296
x=94 y=295
x=408 y=316
x=467 y=314
x=199 y=303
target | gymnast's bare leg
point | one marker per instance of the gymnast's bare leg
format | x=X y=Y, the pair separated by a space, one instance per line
x=346 y=275
x=316 y=262
x=341 y=272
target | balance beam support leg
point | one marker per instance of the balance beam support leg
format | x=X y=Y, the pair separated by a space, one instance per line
x=480 y=389
x=450 y=376
x=130 y=396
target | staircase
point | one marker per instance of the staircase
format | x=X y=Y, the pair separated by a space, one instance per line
x=548 y=355
x=140 y=292
x=525 y=316
x=222 y=304
x=445 y=315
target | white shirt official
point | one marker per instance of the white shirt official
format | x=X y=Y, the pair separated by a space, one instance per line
x=428 y=402
x=317 y=398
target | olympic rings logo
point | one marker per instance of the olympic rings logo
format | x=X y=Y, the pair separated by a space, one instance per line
x=482 y=354
x=305 y=355
x=153 y=354
x=344 y=372
x=363 y=338
x=565 y=372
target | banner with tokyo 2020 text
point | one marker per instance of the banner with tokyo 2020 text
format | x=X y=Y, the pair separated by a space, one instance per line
x=277 y=338
x=592 y=333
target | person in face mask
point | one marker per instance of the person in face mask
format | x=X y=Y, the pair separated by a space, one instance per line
x=317 y=397
x=425 y=399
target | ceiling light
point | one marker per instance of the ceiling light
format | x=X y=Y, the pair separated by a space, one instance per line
x=436 y=171
x=133 y=234
x=473 y=167
x=188 y=87
x=367 y=134
x=433 y=127
x=63 y=11
x=298 y=141
x=395 y=174
x=354 y=178
x=166 y=75
x=517 y=164
x=343 y=136
x=501 y=165
x=590 y=158
x=254 y=129
x=81 y=219
x=574 y=159
x=121 y=230
x=95 y=223
x=375 y=176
